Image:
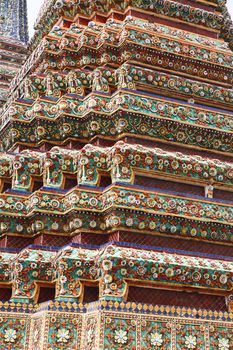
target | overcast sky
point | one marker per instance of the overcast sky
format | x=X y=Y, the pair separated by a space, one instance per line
x=33 y=9
x=34 y=6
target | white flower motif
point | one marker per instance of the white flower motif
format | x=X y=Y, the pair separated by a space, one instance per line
x=10 y=335
x=223 y=344
x=62 y=335
x=156 y=339
x=120 y=336
x=190 y=342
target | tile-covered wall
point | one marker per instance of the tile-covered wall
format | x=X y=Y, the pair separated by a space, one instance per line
x=114 y=326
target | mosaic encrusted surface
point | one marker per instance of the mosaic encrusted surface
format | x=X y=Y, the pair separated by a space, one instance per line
x=106 y=326
x=116 y=177
x=15 y=23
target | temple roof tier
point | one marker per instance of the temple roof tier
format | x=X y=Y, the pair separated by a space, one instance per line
x=122 y=161
x=53 y=119
x=192 y=15
x=30 y=266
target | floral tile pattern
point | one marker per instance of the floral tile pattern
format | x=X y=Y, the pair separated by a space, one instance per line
x=124 y=331
x=190 y=336
x=220 y=338
x=63 y=332
x=97 y=327
x=120 y=333
x=155 y=334
x=14 y=332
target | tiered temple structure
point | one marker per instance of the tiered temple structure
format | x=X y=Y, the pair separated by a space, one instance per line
x=116 y=179
x=13 y=40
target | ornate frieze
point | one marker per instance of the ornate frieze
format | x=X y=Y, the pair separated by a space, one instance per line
x=115 y=196
x=113 y=268
x=122 y=162
x=171 y=9
x=53 y=85
x=116 y=326
x=133 y=114
x=122 y=38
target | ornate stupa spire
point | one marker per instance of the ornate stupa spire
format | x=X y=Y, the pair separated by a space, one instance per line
x=13 y=42
x=14 y=19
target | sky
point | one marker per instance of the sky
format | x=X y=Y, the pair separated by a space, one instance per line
x=34 y=6
x=33 y=9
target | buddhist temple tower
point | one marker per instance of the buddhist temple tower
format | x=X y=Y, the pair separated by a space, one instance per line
x=13 y=41
x=116 y=177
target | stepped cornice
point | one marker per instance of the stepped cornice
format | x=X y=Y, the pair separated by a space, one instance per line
x=100 y=200
x=118 y=207
x=134 y=77
x=113 y=267
x=150 y=35
x=52 y=10
x=135 y=41
x=71 y=117
x=122 y=161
